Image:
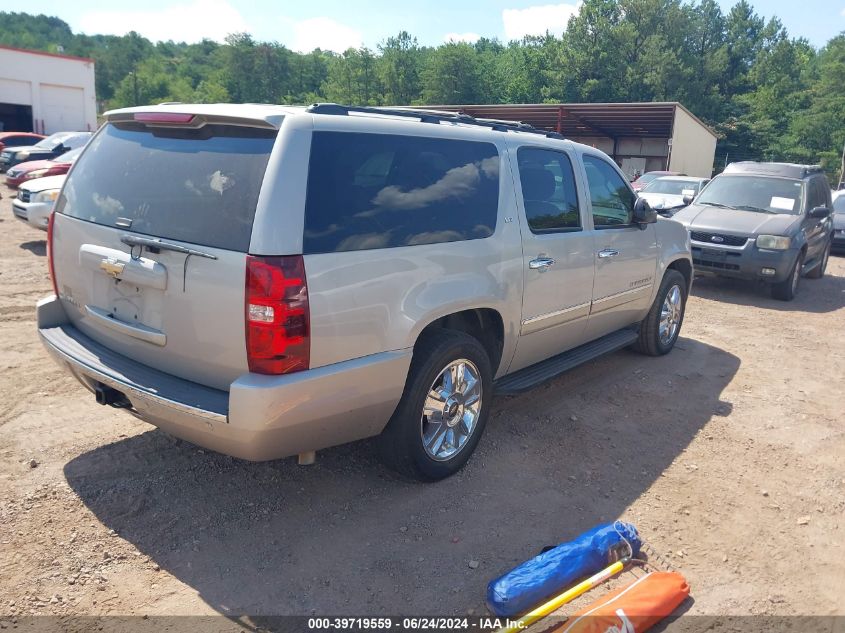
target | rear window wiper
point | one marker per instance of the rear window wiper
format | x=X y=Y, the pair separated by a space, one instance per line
x=134 y=240
x=153 y=243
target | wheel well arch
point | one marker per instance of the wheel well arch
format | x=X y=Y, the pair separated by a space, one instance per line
x=684 y=267
x=484 y=324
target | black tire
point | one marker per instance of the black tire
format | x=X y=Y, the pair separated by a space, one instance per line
x=401 y=443
x=787 y=289
x=818 y=271
x=650 y=341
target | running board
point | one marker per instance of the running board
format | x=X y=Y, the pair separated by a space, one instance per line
x=529 y=377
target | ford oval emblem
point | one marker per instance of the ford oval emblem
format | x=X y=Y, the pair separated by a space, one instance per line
x=717 y=238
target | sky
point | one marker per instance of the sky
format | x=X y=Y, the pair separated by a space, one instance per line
x=338 y=24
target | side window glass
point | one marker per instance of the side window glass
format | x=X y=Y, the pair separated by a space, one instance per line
x=818 y=194
x=612 y=200
x=548 y=190
x=369 y=191
x=812 y=195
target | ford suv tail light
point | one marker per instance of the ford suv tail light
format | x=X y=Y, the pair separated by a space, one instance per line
x=50 y=265
x=277 y=320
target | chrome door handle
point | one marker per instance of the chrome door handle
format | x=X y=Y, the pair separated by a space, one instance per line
x=541 y=263
x=608 y=252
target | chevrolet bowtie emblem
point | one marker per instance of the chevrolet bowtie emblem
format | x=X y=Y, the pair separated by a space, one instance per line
x=112 y=267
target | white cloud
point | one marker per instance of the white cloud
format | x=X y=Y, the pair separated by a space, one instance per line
x=468 y=37
x=324 y=33
x=842 y=13
x=187 y=22
x=538 y=19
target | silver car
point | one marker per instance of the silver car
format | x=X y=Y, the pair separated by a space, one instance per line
x=34 y=200
x=669 y=194
x=267 y=281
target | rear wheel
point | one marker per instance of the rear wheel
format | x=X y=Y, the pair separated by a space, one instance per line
x=818 y=271
x=443 y=410
x=788 y=288
x=660 y=329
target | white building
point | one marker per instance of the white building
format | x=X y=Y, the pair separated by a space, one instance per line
x=46 y=93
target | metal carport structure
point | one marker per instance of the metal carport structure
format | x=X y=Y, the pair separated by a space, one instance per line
x=638 y=136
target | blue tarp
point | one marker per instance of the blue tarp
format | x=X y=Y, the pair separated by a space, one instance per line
x=552 y=572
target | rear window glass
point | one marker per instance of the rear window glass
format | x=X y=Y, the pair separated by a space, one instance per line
x=369 y=191
x=192 y=185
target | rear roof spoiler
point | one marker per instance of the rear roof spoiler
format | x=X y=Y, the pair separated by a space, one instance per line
x=155 y=118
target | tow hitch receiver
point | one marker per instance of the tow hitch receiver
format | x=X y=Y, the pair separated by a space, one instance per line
x=112 y=397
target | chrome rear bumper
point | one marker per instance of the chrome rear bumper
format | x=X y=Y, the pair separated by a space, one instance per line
x=260 y=417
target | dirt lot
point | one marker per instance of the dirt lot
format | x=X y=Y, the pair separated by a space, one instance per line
x=727 y=455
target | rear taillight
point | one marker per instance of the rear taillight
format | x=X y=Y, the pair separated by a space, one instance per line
x=277 y=320
x=50 y=222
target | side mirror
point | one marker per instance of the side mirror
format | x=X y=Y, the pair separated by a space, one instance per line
x=643 y=213
x=59 y=148
x=688 y=200
x=819 y=212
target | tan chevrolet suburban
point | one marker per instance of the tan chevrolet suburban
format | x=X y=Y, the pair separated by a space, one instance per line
x=266 y=281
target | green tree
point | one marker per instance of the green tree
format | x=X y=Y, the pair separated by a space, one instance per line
x=452 y=75
x=152 y=82
x=352 y=78
x=399 y=68
x=817 y=133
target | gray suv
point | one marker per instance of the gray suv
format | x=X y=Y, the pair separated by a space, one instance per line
x=765 y=221
x=267 y=281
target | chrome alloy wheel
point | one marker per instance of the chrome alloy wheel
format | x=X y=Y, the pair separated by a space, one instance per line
x=670 y=315
x=451 y=409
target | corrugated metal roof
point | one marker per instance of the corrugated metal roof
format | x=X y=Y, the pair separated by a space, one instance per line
x=612 y=120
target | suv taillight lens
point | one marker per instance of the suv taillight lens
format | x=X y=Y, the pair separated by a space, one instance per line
x=277 y=320
x=50 y=252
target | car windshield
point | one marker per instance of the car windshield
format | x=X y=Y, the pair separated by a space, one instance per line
x=839 y=205
x=673 y=187
x=69 y=157
x=647 y=178
x=51 y=141
x=762 y=194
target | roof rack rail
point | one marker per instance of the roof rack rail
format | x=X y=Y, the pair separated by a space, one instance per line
x=431 y=116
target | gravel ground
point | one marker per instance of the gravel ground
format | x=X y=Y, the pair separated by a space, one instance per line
x=727 y=455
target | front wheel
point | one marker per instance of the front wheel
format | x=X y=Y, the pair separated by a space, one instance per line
x=818 y=271
x=787 y=289
x=443 y=410
x=660 y=329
